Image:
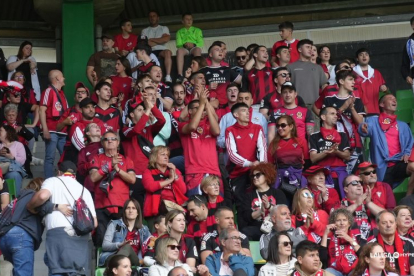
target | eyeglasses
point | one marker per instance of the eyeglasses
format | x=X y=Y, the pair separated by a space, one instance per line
x=355 y=183
x=282 y=125
x=174 y=247
x=307 y=195
x=240 y=57
x=284 y=75
x=234 y=238
x=286 y=243
x=109 y=139
x=81 y=92
x=214 y=185
x=257 y=175
x=19 y=77
x=369 y=173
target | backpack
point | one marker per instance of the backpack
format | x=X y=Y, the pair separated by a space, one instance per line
x=83 y=222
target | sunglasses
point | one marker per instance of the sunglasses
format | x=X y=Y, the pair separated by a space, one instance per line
x=355 y=183
x=307 y=195
x=282 y=125
x=109 y=139
x=17 y=94
x=257 y=175
x=173 y=247
x=240 y=57
x=369 y=173
x=284 y=75
x=286 y=243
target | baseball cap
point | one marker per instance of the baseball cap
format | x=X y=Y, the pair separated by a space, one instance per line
x=80 y=84
x=85 y=102
x=107 y=36
x=132 y=104
x=365 y=165
x=289 y=85
x=314 y=169
x=67 y=166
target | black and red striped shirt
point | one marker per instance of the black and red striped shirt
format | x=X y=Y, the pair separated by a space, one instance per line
x=260 y=83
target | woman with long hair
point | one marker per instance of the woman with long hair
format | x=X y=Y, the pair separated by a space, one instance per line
x=118 y=265
x=122 y=89
x=304 y=215
x=288 y=152
x=324 y=59
x=280 y=260
x=372 y=261
x=126 y=236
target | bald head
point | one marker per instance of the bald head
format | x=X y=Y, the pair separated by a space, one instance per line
x=56 y=79
x=177 y=271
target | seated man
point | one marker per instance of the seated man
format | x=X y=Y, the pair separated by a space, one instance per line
x=381 y=193
x=394 y=244
x=360 y=204
x=390 y=144
x=281 y=220
x=329 y=147
x=309 y=263
x=325 y=198
x=230 y=261
x=189 y=40
x=210 y=244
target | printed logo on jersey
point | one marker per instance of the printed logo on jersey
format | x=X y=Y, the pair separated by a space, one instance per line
x=200 y=130
x=379 y=194
x=238 y=137
x=58 y=106
x=251 y=135
x=386 y=121
x=299 y=115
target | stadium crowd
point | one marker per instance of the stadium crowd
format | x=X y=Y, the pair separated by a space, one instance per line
x=182 y=176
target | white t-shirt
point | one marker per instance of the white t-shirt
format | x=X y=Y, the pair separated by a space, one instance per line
x=156 y=32
x=133 y=61
x=60 y=195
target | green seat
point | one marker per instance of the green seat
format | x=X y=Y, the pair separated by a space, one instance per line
x=255 y=250
x=98 y=253
x=405 y=115
x=412 y=126
x=99 y=271
x=401 y=190
x=404 y=94
x=11 y=185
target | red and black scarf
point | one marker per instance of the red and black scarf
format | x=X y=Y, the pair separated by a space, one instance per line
x=342 y=254
x=331 y=135
x=399 y=247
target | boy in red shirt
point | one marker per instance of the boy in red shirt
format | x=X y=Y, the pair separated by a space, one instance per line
x=125 y=41
x=286 y=33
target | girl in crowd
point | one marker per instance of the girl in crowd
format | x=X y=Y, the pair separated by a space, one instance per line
x=122 y=82
x=372 y=261
x=325 y=61
x=280 y=260
x=119 y=265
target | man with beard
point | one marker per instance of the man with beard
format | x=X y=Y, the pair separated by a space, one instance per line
x=281 y=220
x=240 y=55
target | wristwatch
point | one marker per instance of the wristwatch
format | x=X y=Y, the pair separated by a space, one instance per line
x=354 y=243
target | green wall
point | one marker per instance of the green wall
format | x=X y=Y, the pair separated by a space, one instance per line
x=77 y=43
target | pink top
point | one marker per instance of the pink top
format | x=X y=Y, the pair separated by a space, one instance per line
x=17 y=149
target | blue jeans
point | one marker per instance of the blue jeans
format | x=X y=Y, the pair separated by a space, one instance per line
x=17 y=178
x=18 y=248
x=57 y=141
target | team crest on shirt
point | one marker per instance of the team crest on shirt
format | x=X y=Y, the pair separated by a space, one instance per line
x=268 y=73
x=222 y=71
x=379 y=194
x=299 y=115
x=200 y=130
x=124 y=85
x=58 y=106
x=251 y=135
x=386 y=121
x=295 y=145
x=329 y=137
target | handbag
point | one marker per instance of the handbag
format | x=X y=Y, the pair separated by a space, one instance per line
x=25 y=133
x=287 y=188
x=6 y=218
x=83 y=222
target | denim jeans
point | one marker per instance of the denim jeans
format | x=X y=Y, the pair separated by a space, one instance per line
x=17 y=247
x=57 y=141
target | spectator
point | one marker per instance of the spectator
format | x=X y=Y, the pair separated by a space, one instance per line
x=324 y=197
x=26 y=230
x=210 y=186
x=324 y=59
x=198 y=137
x=210 y=244
x=281 y=220
x=118 y=265
x=351 y=113
x=109 y=115
x=230 y=261
x=302 y=116
x=223 y=48
x=60 y=234
x=13 y=154
x=164 y=95
x=309 y=263
x=145 y=59
x=390 y=144
x=198 y=212
x=255 y=205
x=315 y=56
x=162 y=181
x=167 y=255
x=53 y=105
x=280 y=260
x=126 y=40
x=381 y=193
x=231 y=93
x=282 y=57
x=341 y=243
x=307 y=77
x=28 y=94
x=404 y=221
x=26 y=63
x=102 y=63
x=110 y=169
x=407 y=59
x=126 y=236
x=360 y=205
x=122 y=89
x=392 y=242
x=158 y=36
x=197 y=63
x=189 y=40
x=286 y=33
x=240 y=55
x=312 y=221
x=259 y=80
x=4 y=193
x=370 y=80
x=372 y=261
x=330 y=148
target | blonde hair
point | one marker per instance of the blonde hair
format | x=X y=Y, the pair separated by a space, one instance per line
x=296 y=198
x=170 y=216
x=152 y=164
x=207 y=180
x=161 y=255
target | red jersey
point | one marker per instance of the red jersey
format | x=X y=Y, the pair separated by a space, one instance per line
x=289 y=152
x=302 y=116
x=126 y=44
x=383 y=196
x=259 y=82
x=55 y=108
x=199 y=146
x=293 y=48
x=111 y=117
x=77 y=132
x=122 y=85
x=120 y=190
x=222 y=111
x=370 y=90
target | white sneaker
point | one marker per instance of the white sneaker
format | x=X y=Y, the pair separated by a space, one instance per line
x=168 y=79
x=37 y=161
